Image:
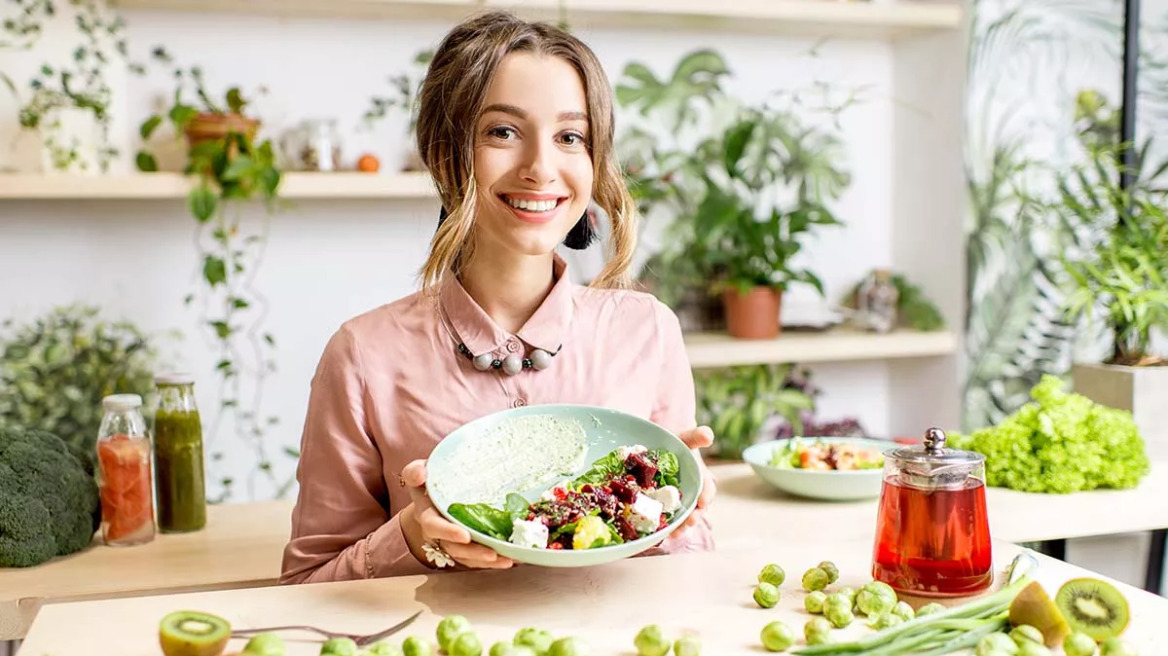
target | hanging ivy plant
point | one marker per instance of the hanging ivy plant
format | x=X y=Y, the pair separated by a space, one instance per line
x=231 y=167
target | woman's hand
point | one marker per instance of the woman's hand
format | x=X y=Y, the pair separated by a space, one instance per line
x=422 y=524
x=699 y=438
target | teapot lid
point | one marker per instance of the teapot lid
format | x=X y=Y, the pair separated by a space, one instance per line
x=932 y=464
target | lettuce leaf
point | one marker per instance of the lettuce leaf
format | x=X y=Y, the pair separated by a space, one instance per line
x=667 y=469
x=483 y=518
x=516 y=506
x=601 y=471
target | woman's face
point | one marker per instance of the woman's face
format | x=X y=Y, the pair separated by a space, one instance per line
x=532 y=164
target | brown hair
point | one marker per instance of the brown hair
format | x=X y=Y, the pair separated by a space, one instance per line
x=450 y=101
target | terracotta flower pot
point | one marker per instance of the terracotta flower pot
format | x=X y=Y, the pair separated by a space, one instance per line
x=209 y=126
x=753 y=315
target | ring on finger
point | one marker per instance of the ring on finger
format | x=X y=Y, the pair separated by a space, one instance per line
x=437 y=555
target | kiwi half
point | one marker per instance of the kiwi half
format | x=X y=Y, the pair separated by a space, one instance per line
x=193 y=633
x=1093 y=607
x=1034 y=607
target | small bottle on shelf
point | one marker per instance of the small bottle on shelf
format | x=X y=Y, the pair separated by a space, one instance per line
x=124 y=473
x=877 y=301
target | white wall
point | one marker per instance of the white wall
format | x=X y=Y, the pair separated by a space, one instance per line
x=329 y=260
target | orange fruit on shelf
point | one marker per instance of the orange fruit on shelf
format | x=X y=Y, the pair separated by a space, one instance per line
x=368 y=163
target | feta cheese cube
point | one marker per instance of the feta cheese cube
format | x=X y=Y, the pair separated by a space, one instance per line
x=669 y=496
x=645 y=513
x=623 y=452
x=529 y=534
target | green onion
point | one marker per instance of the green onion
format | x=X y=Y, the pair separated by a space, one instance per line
x=950 y=630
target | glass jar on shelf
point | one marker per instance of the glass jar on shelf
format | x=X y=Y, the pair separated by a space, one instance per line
x=178 y=456
x=876 y=302
x=124 y=473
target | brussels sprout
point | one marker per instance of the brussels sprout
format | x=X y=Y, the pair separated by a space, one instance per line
x=449 y=628
x=1116 y=647
x=568 y=647
x=1024 y=633
x=538 y=639
x=466 y=644
x=766 y=595
x=772 y=574
x=848 y=592
x=650 y=641
x=840 y=616
x=832 y=571
x=687 y=645
x=817 y=631
x=417 y=646
x=903 y=611
x=814 y=602
x=875 y=598
x=815 y=579
x=1034 y=649
x=777 y=636
x=339 y=647
x=265 y=644
x=383 y=648
x=928 y=609
x=1079 y=644
x=996 y=643
x=508 y=649
x=884 y=620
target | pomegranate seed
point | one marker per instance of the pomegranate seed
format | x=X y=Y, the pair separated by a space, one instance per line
x=555 y=545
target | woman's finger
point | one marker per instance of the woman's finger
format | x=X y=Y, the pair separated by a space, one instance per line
x=709 y=489
x=436 y=527
x=698 y=438
x=414 y=474
x=476 y=555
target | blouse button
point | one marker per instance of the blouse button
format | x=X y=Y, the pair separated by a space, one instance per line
x=513 y=346
x=518 y=403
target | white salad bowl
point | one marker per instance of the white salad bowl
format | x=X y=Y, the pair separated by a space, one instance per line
x=605 y=430
x=826 y=485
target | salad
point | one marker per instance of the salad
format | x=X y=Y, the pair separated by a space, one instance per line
x=825 y=456
x=628 y=494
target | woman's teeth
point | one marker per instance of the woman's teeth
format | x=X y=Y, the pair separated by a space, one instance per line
x=532 y=205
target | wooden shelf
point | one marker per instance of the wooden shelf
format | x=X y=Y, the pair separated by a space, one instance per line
x=145 y=186
x=837 y=345
x=818 y=18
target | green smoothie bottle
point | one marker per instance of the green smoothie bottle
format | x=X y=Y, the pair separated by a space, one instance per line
x=178 y=456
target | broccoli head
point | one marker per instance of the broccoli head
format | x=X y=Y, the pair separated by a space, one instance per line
x=49 y=504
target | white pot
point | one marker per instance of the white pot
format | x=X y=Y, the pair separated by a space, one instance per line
x=1141 y=390
x=70 y=142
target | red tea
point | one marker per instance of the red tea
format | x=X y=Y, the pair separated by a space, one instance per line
x=933 y=542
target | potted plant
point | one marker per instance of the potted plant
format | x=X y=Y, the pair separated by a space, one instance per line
x=1118 y=271
x=230 y=167
x=738 y=403
x=746 y=186
x=68 y=104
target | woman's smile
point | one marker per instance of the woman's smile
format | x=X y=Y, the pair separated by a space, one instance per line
x=534 y=208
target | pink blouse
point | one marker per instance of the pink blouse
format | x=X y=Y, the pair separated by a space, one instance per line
x=391 y=384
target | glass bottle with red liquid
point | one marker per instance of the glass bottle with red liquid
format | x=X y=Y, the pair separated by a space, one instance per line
x=932 y=532
x=124 y=473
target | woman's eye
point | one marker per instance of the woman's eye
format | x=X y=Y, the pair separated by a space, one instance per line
x=500 y=132
x=573 y=139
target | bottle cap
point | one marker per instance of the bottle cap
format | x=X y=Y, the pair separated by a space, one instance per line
x=121 y=402
x=174 y=378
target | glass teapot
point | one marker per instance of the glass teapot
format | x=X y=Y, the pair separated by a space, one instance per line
x=932 y=532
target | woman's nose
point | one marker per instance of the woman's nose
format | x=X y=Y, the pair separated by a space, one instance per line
x=539 y=164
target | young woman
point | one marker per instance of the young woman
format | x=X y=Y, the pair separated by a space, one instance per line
x=516 y=127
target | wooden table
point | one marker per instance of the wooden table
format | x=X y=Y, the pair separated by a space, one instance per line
x=241 y=547
x=705 y=593
x=243 y=543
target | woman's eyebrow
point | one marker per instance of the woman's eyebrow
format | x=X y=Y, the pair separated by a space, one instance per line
x=519 y=112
